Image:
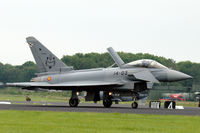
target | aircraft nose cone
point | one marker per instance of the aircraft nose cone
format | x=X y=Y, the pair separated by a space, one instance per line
x=173 y=75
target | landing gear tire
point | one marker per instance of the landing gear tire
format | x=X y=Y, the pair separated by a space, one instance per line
x=73 y=102
x=134 y=105
x=107 y=103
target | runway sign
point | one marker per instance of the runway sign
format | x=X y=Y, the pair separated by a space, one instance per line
x=170 y=104
x=154 y=104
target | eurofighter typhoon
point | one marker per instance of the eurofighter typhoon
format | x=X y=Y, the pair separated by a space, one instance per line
x=125 y=80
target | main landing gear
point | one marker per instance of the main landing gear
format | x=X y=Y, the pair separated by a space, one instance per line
x=74 y=101
x=107 y=100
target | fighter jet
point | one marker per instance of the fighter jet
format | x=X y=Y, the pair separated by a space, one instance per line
x=127 y=79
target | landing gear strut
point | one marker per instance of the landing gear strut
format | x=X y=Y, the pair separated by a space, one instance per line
x=107 y=101
x=74 y=101
x=134 y=105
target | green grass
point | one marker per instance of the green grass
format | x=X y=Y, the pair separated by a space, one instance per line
x=7 y=97
x=188 y=104
x=66 y=122
x=14 y=94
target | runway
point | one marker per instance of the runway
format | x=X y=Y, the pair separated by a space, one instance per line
x=91 y=107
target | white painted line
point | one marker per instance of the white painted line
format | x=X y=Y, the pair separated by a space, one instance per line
x=5 y=102
x=179 y=107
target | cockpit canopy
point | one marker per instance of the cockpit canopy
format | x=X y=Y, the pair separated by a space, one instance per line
x=146 y=63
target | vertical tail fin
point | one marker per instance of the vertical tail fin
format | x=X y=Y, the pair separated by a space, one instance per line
x=115 y=57
x=45 y=60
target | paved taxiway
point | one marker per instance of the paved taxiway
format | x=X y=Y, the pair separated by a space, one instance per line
x=90 y=107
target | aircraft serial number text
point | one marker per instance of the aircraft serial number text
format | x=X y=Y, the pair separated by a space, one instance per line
x=120 y=73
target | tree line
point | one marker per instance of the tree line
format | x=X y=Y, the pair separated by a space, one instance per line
x=24 y=72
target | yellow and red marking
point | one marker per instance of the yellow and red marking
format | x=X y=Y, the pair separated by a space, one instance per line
x=49 y=79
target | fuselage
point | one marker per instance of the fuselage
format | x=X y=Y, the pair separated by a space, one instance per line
x=102 y=75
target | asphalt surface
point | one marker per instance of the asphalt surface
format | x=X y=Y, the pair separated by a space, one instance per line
x=91 y=107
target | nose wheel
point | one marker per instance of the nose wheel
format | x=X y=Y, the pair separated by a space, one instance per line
x=134 y=105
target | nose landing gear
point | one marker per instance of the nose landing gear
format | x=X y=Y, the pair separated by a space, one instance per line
x=134 y=105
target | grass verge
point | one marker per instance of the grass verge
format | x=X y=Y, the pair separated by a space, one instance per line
x=68 y=122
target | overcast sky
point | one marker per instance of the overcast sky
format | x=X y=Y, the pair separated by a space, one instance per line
x=169 y=28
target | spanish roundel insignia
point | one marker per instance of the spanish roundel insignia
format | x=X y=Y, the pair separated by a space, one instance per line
x=49 y=79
